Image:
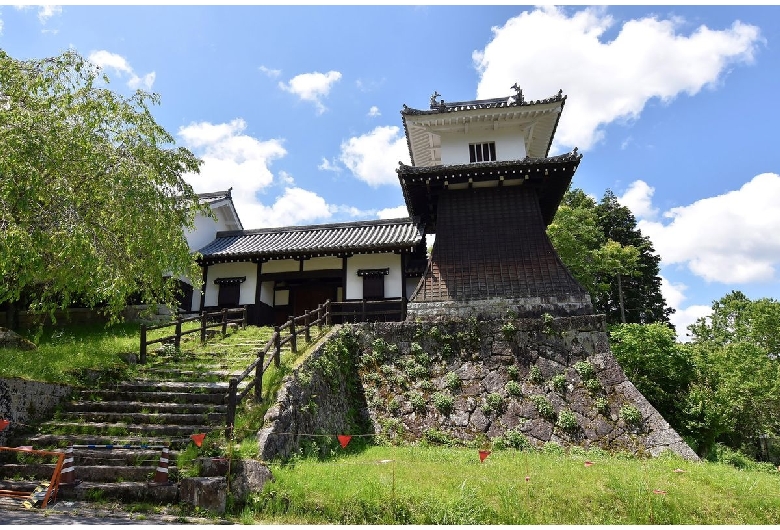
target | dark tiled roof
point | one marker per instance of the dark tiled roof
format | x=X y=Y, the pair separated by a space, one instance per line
x=482 y=104
x=476 y=104
x=551 y=176
x=315 y=240
x=215 y=196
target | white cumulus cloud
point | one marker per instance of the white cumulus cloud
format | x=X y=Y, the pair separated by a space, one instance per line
x=674 y=294
x=295 y=206
x=639 y=199
x=729 y=238
x=373 y=112
x=46 y=12
x=393 y=213
x=234 y=159
x=312 y=87
x=329 y=165
x=608 y=81
x=270 y=72
x=374 y=156
x=107 y=60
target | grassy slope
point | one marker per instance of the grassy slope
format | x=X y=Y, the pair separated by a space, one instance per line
x=435 y=485
x=432 y=485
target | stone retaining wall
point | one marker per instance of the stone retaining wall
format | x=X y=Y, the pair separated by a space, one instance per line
x=24 y=402
x=474 y=382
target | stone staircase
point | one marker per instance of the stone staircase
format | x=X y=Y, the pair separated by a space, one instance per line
x=163 y=407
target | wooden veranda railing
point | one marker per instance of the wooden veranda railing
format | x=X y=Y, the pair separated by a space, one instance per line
x=215 y=319
x=287 y=332
x=388 y=310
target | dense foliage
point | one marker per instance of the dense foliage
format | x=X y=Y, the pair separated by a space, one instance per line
x=603 y=248
x=92 y=199
x=723 y=387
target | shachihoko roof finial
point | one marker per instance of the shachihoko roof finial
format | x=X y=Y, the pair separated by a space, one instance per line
x=436 y=94
x=518 y=93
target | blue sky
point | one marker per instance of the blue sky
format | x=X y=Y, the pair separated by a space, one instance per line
x=298 y=108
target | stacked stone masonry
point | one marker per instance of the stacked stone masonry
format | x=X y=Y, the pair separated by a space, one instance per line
x=473 y=381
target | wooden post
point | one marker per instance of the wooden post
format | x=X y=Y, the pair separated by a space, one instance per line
x=203 y=321
x=277 y=346
x=243 y=320
x=306 y=332
x=143 y=344
x=319 y=317
x=293 y=338
x=259 y=376
x=403 y=308
x=224 y=322
x=230 y=417
x=327 y=313
x=177 y=338
x=363 y=311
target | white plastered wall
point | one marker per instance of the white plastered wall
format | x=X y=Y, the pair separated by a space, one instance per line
x=393 y=281
x=510 y=145
x=325 y=263
x=230 y=270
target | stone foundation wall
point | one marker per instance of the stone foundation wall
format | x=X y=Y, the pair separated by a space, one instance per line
x=322 y=396
x=23 y=402
x=475 y=382
x=569 y=305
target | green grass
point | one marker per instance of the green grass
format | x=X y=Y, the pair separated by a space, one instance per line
x=64 y=354
x=434 y=485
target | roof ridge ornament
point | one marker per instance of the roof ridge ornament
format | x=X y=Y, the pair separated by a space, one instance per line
x=519 y=100
x=434 y=104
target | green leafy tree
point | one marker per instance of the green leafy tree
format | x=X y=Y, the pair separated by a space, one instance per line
x=609 y=256
x=736 y=397
x=594 y=259
x=660 y=368
x=92 y=198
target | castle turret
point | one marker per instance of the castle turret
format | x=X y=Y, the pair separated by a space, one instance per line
x=482 y=181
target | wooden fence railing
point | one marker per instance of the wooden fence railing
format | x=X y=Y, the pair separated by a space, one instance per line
x=392 y=309
x=287 y=332
x=213 y=319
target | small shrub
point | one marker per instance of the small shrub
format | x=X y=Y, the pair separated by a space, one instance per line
x=558 y=383
x=437 y=437
x=386 y=369
x=446 y=350
x=553 y=448
x=452 y=381
x=415 y=348
x=427 y=385
x=585 y=369
x=513 y=388
x=593 y=386
x=543 y=406
x=602 y=406
x=535 y=375
x=567 y=421
x=508 y=330
x=417 y=401
x=512 y=439
x=435 y=333
x=394 y=405
x=417 y=371
x=443 y=402
x=514 y=372
x=631 y=415
x=494 y=402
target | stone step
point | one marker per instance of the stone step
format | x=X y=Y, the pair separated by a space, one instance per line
x=145 y=418
x=152 y=396
x=138 y=406
x=92 y=473
x=151 y=385
x=135 y=491
x=104 y=429
x=61 y=441
x=119 y=457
